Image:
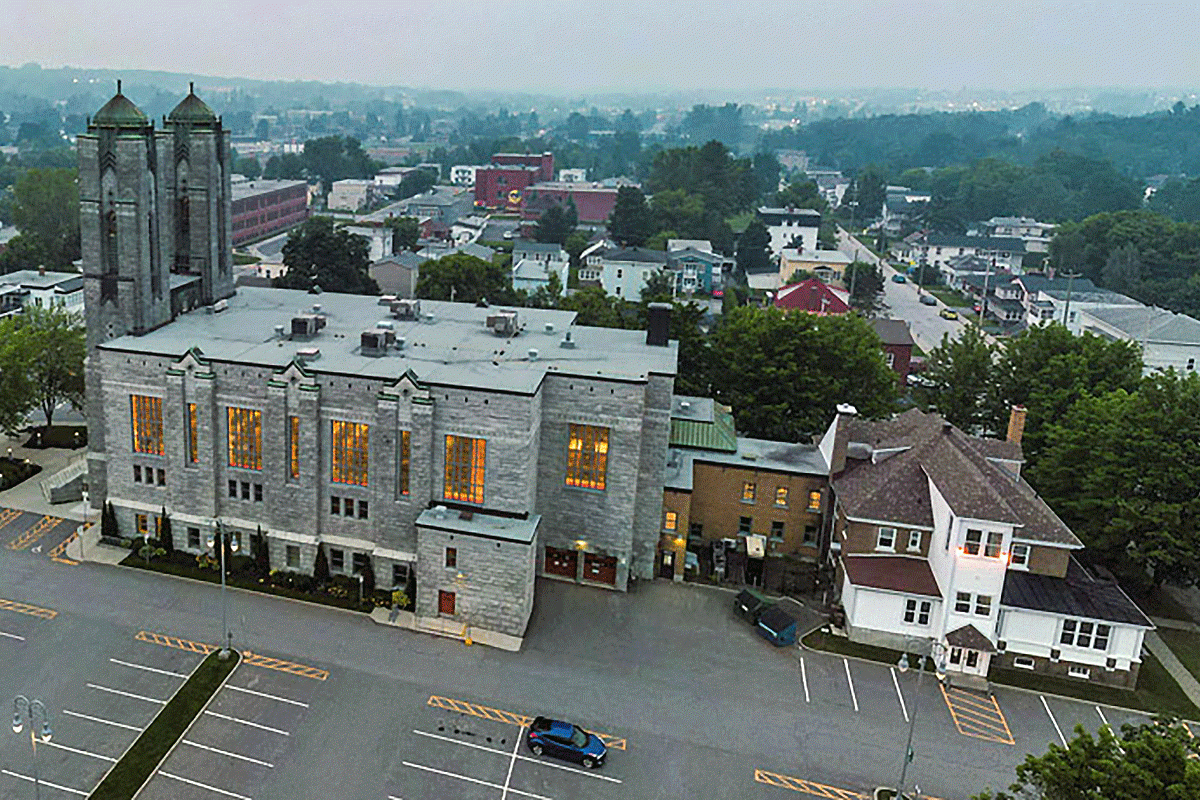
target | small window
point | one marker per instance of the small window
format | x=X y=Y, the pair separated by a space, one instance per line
x=337 y=560
x=1024 y=662
x=910 y=611
x=1020 y=555
x=446 y=603
x=162 y=477
x=974 y=542
x=335 y=505
x=362 y=509
x=1084 y=637
x=1079 y=672
x=810 y=534
x=193 y=538
x=399 y=575
x=962 y=602
x=258 y=492
x=1068 y=632
x=983 y=605
x=293 y=556
x=137 y=474
x=233 y=489
x=744 y=524
x=972 y=658
x=814 y=500
x=914 y=540
x=359 y=560
x=956 y=655
x=781 y=496
x=670 y=521
x=1101 y=640
x=994 y=540
x=886 y=540
x=776 y=529
x=142 y=524
x=245 y=490
x=451 y=556
x=348 y=507
x=923 y=612
x=748 y=491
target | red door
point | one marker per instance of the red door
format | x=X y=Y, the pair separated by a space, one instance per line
x=601 y=569
x=561 y=562
x=446 y=603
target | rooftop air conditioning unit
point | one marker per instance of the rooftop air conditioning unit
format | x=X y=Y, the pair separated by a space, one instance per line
x=376 y=342
x=406 y=309
x=387 y=300
x=304 y=325
x=503 y=323
x=307 y=354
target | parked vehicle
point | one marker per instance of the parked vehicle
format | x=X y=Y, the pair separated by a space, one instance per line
x=777 y=626
x=928 y=300
x=564 y=740
x=898 y=278
x=948 y=313
x=750 y=605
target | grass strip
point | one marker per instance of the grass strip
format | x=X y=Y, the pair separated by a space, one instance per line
x=1156 y=692
x=130 y=773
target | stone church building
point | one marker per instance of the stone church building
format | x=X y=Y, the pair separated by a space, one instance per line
x=472 y=447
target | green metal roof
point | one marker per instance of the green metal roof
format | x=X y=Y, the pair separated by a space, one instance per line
x=120 y=112
x=702 y=435
x=193 y=110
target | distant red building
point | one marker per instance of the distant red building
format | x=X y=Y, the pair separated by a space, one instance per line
x=592 y=203
x=813 y=296
x=261 y=208
x=502 y=183
x=897 y=346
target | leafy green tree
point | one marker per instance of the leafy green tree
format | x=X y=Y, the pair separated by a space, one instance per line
x=24 y=252
x=248 y=166
x=576 y=243
x=406 y=234
x=785 y=374
x=754 y=249
x=958 y=374
x=801 y=194
x=46 y=209
x=659 y=240
x=631 y=223
x=680 y=211
x=17 y=394
x=869 y=191
x=465 y=279
x=48 y=345
x=866 y=281
x=1123 y=269
x=660 y=287
x=320 y=253
x=332 y=158
x=596 y=307
x=1113 y=468
x=1155 y=761
x=288 y=166
x=165 y=538
x=556 y=224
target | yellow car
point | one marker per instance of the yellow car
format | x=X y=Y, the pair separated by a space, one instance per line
x=947 y=313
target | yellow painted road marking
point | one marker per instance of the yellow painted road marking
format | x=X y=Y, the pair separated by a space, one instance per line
x=290 y=667
x=977 y=716
x=806 y=787
x=56 y=552
x=23 y=608
x=30 y=536
x=509 y=718
x=7 y=515
x=251 y=659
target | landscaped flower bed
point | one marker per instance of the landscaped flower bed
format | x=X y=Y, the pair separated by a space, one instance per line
x=16 y=470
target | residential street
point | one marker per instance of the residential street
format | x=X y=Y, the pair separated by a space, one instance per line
x=694 y=702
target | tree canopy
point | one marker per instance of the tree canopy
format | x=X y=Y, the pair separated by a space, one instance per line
x=630 y=223
x=465 y=279
x=46 y=210
x=41 y=363
x=320 y=253
x=556 y=224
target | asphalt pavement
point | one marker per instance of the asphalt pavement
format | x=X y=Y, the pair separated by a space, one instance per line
x=693 y=702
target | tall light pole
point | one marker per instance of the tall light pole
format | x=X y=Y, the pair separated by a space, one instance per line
x=935 y=657
x=1070 y=276
x=217 y=539
x=27 y=712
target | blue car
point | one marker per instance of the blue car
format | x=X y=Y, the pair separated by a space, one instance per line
x=553 y=737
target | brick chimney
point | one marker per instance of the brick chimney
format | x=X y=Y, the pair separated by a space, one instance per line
x=658 y=328
x=836 y=439
x=1016 y=424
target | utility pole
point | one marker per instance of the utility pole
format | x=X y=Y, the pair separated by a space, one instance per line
x=983 y=300
x=1070 y=276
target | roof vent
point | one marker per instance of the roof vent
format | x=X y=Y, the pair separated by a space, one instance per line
x=387 y=299
x=307 y=354
x=400 y=342
x=567 y=342
x=549 y=327
x=316 y=308
x=429 y=317
x=503 y=323
x=386 y=324
x=533 y=354
x=749 y=457
x=684 y=405
x=280 y=331
x=220 y=306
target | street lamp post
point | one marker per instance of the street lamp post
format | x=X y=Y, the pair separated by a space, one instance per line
x=27 y=712
x=217 y=539
x=935 y=657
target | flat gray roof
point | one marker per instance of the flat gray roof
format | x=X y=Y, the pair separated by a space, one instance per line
x=32 y=279
x=255 y=187
x=454 y=348
x=475 y=523
x=804 y=459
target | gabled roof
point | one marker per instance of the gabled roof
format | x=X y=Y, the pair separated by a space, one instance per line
x=895 y=486
x=636 y=254
x=813 y=296
x=1009 y=243
x=1078 y=594
x=1148 y=324
x=1037 y=283
x=968 y=636
x=892 y=331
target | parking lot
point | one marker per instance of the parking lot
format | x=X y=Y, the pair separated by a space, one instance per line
x=40 y=534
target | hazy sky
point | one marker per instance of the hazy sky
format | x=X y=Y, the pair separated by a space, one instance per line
x=572 y=46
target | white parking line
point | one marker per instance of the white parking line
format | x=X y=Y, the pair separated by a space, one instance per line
x=80 y=752
x=1049 y=713
x=804 y=680
x=229 y=754
x=268 y=696
x=512 y=762
x=70 y=713
x=202 y=785
x=899 y=694
x=126 y=694
x=247 y=722
x=469 y=779
x=12 y=636
x=850 y=681
x=551 y=764
x=45 y=782
x=147 y=669
x=1103 y=718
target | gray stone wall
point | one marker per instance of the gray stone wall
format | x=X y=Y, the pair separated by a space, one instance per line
x=495 y=590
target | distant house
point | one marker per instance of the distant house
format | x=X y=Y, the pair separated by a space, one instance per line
x=828 y=265
x=697 y=269
x=1036 y=235
x=534 y=262
x=594 y=202
x=40 y=289
x=1168 y=340
x=350 y=194
x=621 y=271
x=814 y=296
x=442 y=205
x=397 y=274
x=936 y=250
x=897 y=345
x=791 y=227
x=901 y=204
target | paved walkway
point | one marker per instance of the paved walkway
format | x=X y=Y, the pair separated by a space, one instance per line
x=1185 y=679
x=1177 y=624
x=27 y=495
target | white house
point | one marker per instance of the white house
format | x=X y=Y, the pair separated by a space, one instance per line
x=1036 y=235
x=534 y=263
x=940 y=545
x=791 y=227
x=937 y=249
x=350 y=194
x=1167 y=339
x=32 y=287
x=621 y=271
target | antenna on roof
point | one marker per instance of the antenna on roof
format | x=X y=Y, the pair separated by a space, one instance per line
x=191 y=87
x=118 y=85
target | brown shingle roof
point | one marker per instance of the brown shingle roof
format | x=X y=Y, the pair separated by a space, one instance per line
x=968 y=636
x=896 y=573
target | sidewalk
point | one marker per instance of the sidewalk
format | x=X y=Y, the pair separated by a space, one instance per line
x=1187 y=682
x=27 y=495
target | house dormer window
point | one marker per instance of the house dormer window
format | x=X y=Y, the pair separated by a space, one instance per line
x=914 y=541
x=886 y=539
x=1020 y=556
x=973 y=543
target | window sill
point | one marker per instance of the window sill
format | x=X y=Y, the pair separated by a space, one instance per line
x=885 y=550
